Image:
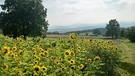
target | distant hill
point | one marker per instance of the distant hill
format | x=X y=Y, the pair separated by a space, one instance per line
x=86 y=27
x=90 y=31
x=75 y=27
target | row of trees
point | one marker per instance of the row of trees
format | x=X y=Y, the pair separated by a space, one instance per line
x=23 y=17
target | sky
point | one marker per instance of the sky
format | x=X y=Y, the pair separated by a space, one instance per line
x=68 y=12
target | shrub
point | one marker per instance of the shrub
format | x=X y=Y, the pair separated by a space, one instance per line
x=130 y=33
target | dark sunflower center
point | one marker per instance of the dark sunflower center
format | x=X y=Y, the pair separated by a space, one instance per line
x=36 y=68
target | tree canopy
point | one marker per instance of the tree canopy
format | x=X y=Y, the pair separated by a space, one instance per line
x=130 y=33
x=113 y=28
x=23 y=17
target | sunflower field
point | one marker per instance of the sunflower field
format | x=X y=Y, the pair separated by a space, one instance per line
x=71 y=56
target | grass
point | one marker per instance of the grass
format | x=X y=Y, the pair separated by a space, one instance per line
x=127 y=67
x=132 y=45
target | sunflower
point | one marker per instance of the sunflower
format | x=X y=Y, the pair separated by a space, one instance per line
x=71 y=36
x=78 y=51
x=24 y=49
x=34 y=53
x=72 y=53
x=37 y=57
x=115 y=48
x=33 y=49
x=96 y=58
x=57 y=61
x=19 y=62
x=6 y=50
x=36 y=62
x=52 y=58
x=13 y=55
x=41 y=49
x=19 y=71
x=36 y=68
x=42 y=54
x=21 y=53
x=60 y=59
x=44 y=68
x=4 y=44
x=72 y=61
x=14 y=48
x=72 y=67
x=81 y=66
x=45 y=53
x=110 y=47
x=89 y=59
x=90 y=39
x=5 y=67
x=37 y=46
x=63 y=69
x=67 y=53
x=21 y=41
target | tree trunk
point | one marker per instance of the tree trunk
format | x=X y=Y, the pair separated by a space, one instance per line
x=24 y=37
x=112 y=36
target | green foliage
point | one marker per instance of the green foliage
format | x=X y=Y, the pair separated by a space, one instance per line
x=23 y=17
x=130 y=33
x=59 y=57
x=96 y=31
x=113 y=28
x=109 y=54
x=122 y=33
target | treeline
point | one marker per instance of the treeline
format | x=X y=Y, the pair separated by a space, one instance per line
x=96 y=30
x=112 y=29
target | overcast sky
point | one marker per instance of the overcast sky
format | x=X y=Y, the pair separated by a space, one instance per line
x=67 y=12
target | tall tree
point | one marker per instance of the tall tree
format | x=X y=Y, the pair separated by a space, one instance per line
x=113 y=28
x=23 y=17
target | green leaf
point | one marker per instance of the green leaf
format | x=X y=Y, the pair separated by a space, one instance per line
x=52 y=74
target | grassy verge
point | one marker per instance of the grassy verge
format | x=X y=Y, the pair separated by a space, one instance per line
x=127 y=67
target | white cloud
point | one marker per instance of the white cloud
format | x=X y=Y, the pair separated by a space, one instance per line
x=64 y=12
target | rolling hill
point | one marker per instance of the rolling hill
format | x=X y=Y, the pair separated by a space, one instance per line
x=81 y=27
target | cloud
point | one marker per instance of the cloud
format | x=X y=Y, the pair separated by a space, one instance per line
x=64 y=12
x=116 y=5
x=2 y=2
x=67 y=12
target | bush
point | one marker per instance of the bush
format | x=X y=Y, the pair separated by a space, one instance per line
x=130 y=33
